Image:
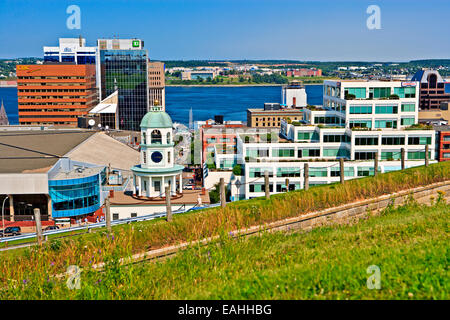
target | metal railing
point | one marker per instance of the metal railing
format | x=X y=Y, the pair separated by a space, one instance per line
x=103 y=223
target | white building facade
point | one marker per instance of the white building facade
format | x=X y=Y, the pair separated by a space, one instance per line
x=359 y=121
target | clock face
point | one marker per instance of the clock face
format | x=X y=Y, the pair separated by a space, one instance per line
x=157 y=156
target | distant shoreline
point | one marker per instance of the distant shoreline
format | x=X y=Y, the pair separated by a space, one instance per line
x=211 y=85
x=237 y=85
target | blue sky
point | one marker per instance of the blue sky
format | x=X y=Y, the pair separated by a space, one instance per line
x=325 y=30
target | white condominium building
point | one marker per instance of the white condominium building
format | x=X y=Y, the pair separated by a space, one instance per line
x=358 y=122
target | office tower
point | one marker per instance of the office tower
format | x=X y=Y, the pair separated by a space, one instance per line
x=55 y=94
x=123 y=67
x=71 y=50
x=432 y=89
x=433 y=100
x=156 y=85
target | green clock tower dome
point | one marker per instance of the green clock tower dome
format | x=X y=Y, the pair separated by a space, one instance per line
x=156 y=119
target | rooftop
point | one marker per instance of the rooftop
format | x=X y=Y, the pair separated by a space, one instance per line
x=188 y=197
x=77 y=172
x=36 y=151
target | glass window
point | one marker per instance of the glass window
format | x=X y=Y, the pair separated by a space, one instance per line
x=408 y=107
x=390 y=155
x=336 y=138
x=288 y=172
x=366 y=141
x=318 y=172
x=360 y=124
x=309 y=153
x=365 y=155
x=405 y=92
x=407 y=121
x=365 y=171
x=386 y=124
x=418 y=155
x=360 y=109
x=377 y=93
x=393 y=141
x=283 y=152
x=419 y=140
x=259 y=172
x=359 y=93
x=386 y=109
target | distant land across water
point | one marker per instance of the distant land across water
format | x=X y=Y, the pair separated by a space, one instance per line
x=206 y=102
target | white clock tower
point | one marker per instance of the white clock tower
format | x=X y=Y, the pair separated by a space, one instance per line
x=157 y=169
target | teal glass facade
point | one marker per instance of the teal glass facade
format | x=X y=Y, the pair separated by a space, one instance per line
x=74 y=197
x=126 y=70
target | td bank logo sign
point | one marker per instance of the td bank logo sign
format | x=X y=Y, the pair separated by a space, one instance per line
x=136 y=43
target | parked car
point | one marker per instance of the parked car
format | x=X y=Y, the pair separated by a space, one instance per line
x=10 y=231
x=188 y=186
x=51 y=228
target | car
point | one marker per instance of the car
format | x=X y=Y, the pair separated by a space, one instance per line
x=10 y=231
x=51 y=228
x=188 y=186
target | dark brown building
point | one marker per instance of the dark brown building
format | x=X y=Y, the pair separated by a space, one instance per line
x=432 y=90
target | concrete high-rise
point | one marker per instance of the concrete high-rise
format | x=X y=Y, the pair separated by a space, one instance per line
x=55 y=94
x=156 y=84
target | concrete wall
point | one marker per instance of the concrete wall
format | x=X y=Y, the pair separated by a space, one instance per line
x=23 y=183
x=214 y=177
x=142 y=210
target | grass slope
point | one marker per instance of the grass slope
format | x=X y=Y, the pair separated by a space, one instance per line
x=409 y=244
x=138 y=237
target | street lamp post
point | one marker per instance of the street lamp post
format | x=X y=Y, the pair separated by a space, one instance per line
x=3 y=216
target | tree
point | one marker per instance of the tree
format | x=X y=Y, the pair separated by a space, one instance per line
x=214 y=194
x=237 y=170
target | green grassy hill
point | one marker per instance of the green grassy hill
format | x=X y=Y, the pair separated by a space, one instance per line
x=409 y=245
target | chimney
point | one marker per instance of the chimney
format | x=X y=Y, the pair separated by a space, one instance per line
x=111 y=193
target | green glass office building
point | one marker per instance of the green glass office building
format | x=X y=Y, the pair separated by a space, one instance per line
x=123 y=67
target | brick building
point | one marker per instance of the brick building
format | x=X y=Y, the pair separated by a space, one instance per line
x=304 y=72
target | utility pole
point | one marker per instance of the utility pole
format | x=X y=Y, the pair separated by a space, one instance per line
x=108 y=215
x=266 y=184
x=37 y=218
x=375 y=164
x=402 y=155
x=426 y=155
x=168 y=205
x=223 y=198
x=306 y=176
x=287 y=184
x=341 y=170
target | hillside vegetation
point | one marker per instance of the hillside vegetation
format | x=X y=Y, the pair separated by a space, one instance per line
x=407 y=244
x=56 y=255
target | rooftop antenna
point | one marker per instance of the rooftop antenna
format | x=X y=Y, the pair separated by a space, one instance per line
x=81 y=41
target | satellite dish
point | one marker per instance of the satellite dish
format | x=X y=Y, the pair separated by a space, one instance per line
x=91 y=122
x=106 y=127
x=99 y=125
